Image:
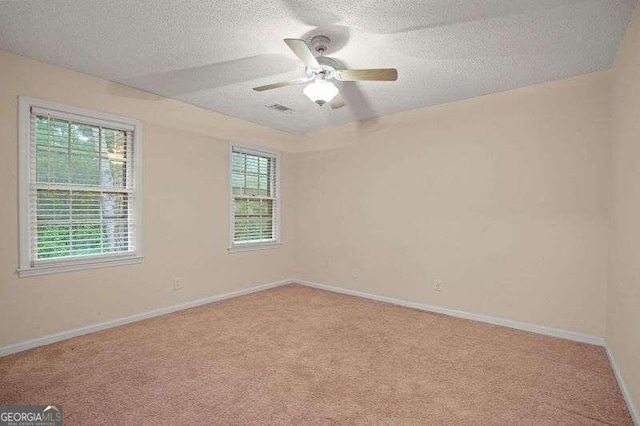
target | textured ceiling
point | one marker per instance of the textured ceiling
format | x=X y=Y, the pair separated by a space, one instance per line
x=211 y=53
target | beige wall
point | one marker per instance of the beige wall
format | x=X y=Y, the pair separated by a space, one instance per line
x=504 y=198
x=623 y=296
x=185 y=217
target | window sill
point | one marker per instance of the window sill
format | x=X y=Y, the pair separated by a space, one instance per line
x=78 y=266
x=253 y=246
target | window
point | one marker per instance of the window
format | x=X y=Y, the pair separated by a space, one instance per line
x=80 y=198
x=254 y=198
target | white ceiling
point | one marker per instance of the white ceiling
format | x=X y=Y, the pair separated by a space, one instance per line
x=211 y=53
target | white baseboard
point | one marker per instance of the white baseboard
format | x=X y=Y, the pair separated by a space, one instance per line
x=633 y=410
x=52 y=338
x=549 y=331
x=595 y=340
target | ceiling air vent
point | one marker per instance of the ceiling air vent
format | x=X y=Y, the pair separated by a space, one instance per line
x=278 y=107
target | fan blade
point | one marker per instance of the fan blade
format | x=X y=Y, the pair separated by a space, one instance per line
x=302 y=51
x=336 y=102
x=301 y=80
x=385 y=74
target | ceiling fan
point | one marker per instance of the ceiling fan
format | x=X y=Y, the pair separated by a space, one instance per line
x=320 y=70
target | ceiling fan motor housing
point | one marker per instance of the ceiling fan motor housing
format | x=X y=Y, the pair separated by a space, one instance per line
x=326 y=69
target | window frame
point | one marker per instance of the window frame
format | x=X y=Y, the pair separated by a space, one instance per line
x=275 y=242
x=26 y=265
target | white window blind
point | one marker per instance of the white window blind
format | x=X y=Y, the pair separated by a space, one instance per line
x=82 y=189
x=255 y=198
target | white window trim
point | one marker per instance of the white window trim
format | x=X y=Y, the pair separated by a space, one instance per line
x=26 y=268
x=250 y=246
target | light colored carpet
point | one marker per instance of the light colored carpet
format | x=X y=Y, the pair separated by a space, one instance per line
x=299 y=355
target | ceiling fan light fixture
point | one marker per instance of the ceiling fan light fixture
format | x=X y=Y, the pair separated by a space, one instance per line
x=320 y=91
x=322 y=70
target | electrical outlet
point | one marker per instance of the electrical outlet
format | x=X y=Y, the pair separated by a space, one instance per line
x=438 y=286
x=177 y=283
x=355 y=273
